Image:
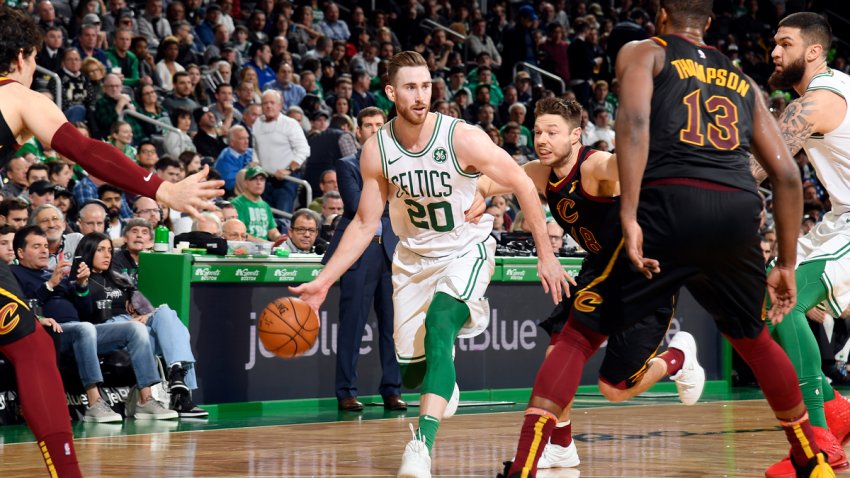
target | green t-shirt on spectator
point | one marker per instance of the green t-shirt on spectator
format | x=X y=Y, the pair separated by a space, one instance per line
x=257 y=216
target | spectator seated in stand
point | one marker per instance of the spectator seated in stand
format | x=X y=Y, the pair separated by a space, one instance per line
x=304 y=233
x=327 y=182
x=253 y=210
x=70 y=306
x=238 y=155
x=232 y=230
x=14 y=212
x=169 y=337
x=205 y=234
x=331 y=206
x=138 y=237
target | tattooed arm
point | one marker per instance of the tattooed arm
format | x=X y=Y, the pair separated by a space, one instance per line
x=817 y=111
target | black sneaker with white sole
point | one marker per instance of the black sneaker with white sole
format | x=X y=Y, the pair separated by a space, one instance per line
x=177 y=379
x=184 y=406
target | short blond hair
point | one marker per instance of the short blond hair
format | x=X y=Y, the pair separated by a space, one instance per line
x=401 y=60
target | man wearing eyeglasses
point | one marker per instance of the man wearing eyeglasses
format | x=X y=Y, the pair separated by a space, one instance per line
x=234 y=230
x=303 y=232
x=59 y=245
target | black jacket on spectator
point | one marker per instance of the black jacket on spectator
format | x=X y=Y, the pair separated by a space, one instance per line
x=324 y=152
x=208 y=145
x=123 y=263
x=52 y=63
x=66 y=303
x=581 y=59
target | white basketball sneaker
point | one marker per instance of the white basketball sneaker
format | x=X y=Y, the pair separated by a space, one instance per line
x=556 y=456
x=415 y=462
x=690 y=379
x=451 y=407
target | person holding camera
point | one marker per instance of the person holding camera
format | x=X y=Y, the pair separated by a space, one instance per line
x=119 y=302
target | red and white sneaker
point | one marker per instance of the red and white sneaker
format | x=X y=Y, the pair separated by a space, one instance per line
x=837 y=413
x=827 y=442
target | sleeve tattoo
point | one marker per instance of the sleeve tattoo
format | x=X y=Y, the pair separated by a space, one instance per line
x=795 y=127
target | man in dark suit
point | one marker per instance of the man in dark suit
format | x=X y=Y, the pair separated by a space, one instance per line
x=370 y=278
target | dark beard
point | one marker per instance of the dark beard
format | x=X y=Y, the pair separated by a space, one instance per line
x=790 y=75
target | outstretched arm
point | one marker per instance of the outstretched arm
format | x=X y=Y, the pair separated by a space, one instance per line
x=474 y=148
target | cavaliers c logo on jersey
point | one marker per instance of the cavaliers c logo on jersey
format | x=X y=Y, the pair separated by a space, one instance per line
x=586 y=301
x=563 y=208
x=9 y=318
x=440 y=155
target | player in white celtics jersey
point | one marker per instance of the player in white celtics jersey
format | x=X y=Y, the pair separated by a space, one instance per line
x=427 y=165
x=817 y=122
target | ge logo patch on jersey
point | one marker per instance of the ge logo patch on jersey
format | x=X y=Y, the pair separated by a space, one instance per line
x=440 y=155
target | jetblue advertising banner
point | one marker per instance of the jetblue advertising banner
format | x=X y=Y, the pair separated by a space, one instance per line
x=233 y=366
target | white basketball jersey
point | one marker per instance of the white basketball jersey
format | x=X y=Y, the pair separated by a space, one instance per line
x=830 y=153
x=429 y=193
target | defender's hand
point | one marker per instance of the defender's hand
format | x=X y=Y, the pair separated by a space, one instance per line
x=192 y=194
x=554 y=278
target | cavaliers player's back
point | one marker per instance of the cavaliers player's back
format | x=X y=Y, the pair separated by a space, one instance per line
x=701 y=116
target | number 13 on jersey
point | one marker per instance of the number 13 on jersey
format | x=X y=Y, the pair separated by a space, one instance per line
x=722 y=132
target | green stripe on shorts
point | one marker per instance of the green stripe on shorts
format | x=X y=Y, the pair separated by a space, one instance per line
x=476 y=270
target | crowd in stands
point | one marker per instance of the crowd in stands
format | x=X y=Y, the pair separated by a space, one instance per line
x=268 y=92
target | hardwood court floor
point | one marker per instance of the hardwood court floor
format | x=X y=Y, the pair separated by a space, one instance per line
x=732 y=438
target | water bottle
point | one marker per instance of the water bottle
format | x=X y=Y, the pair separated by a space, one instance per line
x=160 y=241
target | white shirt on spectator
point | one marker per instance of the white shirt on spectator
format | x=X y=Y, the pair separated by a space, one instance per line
x=279 y=142
x=605 y=134
x=586 y=134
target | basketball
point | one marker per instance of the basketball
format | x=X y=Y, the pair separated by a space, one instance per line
x=288 y=327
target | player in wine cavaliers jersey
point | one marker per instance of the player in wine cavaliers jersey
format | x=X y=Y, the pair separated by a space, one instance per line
x=580 y=184
x=689 y=214
x=25 y=113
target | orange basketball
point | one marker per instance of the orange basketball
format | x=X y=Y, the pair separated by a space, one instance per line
x=288 y=327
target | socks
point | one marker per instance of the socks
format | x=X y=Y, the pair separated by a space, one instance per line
x=828 y=391
x=802 y=438
x=536 y=430
x=813 y=398
x=796 y=338
x=59 y=455
x=674 y=358
x=428 y=427
x=562 y=435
